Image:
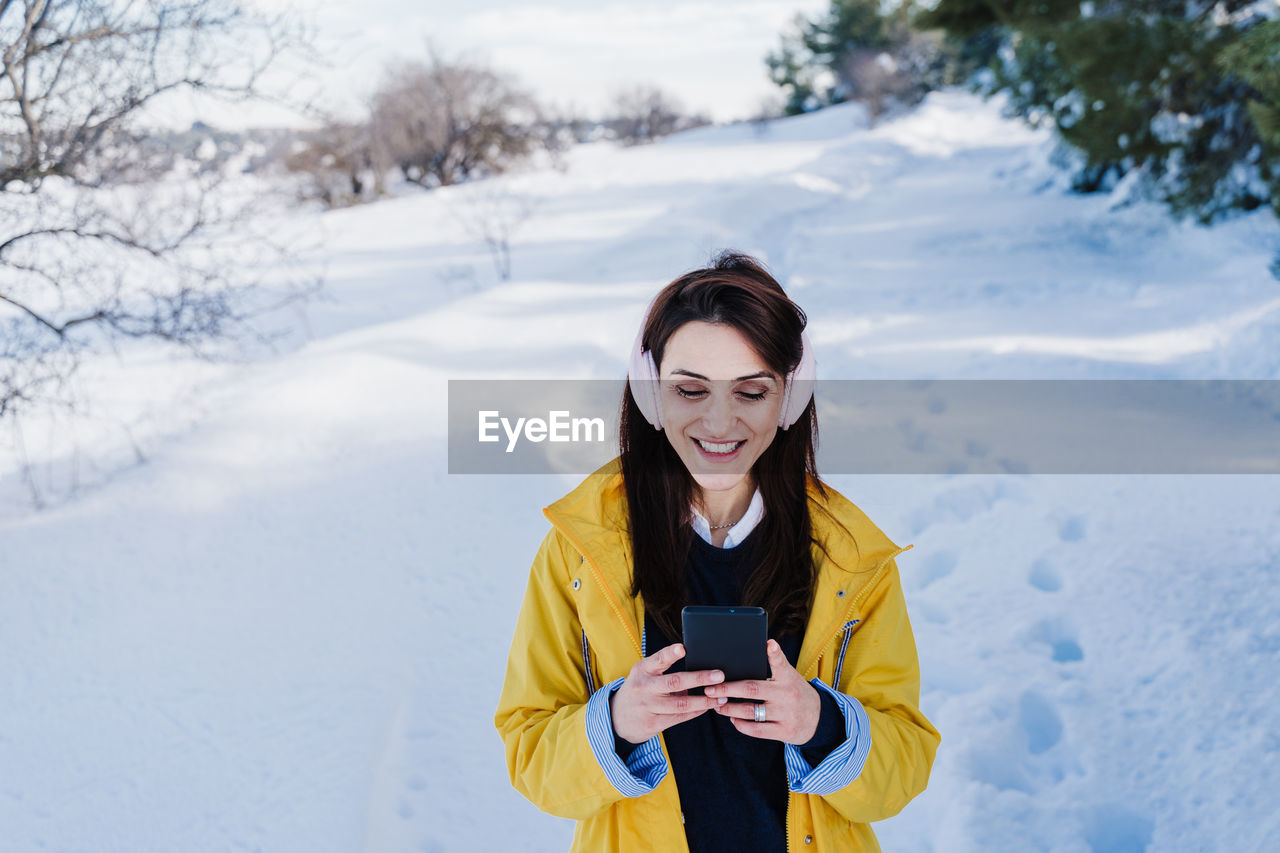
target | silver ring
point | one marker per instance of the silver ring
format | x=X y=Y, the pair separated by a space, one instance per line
x=760 y=713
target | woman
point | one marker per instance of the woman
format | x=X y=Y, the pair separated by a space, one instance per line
x=715 y=499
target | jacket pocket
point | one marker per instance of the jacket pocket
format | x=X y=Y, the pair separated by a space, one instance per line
x=844 y=647
x=586 y=666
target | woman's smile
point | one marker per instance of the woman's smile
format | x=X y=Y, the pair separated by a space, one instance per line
x=719 y=451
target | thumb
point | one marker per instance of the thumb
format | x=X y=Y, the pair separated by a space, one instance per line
x=776 y=657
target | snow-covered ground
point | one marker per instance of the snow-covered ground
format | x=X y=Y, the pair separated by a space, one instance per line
x=286 y=630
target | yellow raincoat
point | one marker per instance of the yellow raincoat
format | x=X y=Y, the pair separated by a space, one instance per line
x=579 y=629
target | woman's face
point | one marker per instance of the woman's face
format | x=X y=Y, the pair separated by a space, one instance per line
x=715 y=392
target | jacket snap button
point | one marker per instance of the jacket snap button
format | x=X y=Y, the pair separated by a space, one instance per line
x=808 y=839
x=840 y=594
x=576 y=583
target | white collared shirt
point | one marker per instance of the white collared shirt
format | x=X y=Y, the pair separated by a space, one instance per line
x=755 y=512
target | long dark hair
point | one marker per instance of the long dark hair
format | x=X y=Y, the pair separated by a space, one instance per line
x=737 y=291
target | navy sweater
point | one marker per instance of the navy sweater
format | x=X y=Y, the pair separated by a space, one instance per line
x=733 y=787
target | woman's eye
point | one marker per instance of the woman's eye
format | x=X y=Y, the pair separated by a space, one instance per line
x=698 y=394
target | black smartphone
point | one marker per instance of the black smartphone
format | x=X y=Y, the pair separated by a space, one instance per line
x=731 y=639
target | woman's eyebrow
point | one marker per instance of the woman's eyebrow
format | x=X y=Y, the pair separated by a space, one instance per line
x=761 y=375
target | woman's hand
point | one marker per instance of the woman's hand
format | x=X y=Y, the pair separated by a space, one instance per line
x=791 y=704
x=649 y=702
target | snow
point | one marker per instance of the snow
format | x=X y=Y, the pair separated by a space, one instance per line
x=286 y=629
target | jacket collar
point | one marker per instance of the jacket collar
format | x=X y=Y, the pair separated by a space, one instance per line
x=593 y=518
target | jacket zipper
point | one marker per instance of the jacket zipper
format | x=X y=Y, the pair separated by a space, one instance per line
x=786 y=821
x=835 y=684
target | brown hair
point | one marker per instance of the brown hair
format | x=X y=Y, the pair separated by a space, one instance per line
x=737 y=291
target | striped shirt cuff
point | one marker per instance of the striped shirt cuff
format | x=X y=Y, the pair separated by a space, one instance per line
x=844 y=764
x=646 y=766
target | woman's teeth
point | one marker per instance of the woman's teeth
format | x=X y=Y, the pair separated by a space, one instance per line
x=720 y=448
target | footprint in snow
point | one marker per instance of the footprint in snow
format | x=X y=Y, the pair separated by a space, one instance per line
x=1115 y=829
x=1039 y=721
x=1061 y=639
x=1044 y=576
x=1072 y=530
x=958 y=504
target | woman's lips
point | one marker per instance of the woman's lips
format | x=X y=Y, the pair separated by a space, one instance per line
x=719 y=457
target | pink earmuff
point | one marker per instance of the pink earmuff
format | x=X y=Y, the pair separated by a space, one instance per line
x=642 y=376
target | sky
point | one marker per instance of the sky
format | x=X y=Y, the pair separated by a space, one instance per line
x=709 y=54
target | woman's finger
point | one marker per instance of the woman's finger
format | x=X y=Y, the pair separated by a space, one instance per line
x=675 y=705
x=666 y=721
x=661 y=660
x=777 y=660
x=743 y=689
x=766 y=730
x=741 y=710
x=676 y=682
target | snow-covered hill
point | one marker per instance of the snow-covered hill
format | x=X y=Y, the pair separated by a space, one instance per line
x=287 y=630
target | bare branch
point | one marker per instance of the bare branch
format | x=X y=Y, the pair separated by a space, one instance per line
x=101 y=239
x=32 y=314
x=441 y=123
x=644 y=113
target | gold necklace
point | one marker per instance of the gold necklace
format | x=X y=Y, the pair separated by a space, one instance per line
x=730 y=524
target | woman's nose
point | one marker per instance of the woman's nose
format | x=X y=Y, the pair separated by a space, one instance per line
x=718 y=417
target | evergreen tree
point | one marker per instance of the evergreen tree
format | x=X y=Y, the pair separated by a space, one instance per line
x=837 y=57
x=1185 y=92
x=1255 y=59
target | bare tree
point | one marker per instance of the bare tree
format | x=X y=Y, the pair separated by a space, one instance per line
x=492 y=212
x=643 y=113
x=566 y=125
x=337 y=164
x=102 y=236
x=443 y=122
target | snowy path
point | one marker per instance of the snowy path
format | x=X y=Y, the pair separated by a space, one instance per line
x=287 y=630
